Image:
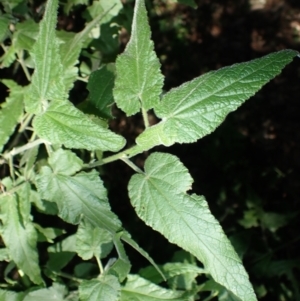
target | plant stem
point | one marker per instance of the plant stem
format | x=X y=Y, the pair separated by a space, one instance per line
x=132 y=165
x=21 y=149
x=20 y=60
x=67 y=276
x=99 y=265
x=127 y=153
x=145 y=117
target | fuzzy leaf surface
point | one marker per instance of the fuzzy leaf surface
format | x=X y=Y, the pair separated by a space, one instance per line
x=106 y=287
x=19 y=234
x=100 y=86
x=47 y=79
x=139 y=289
x=161 y=201
x=11 y=111
x=139 y=80
x=63 y=124
x=196 y=108
x=54 y=293
x=82 y=194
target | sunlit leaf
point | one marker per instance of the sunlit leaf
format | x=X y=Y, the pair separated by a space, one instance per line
x=47 y=79
x=196 y=108
x=139 y=80
x=62 y=123
x=160 y=199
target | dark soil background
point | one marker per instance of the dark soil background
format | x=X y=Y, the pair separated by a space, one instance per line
x=248 y=169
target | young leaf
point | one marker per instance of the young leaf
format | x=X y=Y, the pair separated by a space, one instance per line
x=100 y=86
x=106 y=287
x=19 y=234
x=139 y=80
x=11 y=111
x=47 y=79
x=139 y=289
x=62 y=123
x=198 y=107
x=160 y=199
x=92 y=241
x=79 y=195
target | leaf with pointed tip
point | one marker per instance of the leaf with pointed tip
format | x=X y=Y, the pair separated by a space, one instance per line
x=139 y=80
x=47 y=79
x=11 y=111
x=105 y=287
x=62 y=123
x=197 y=108
x=19 y=234
x=160 y=199
x=82 y=194
x=100 y=86
x=139 y=289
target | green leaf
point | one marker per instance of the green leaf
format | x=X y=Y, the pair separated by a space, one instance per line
x=25 y=35
x=160 y=199
x=171 y=270
x=80 y=195
x=139 y=289
x=19 y=234
x=62 y=123
x=106 y=287
x=65 y=162
x=92 y=241
x=196 y=108
x=11 y=296
x=71 y=49
x=107 y=9
x=54 y=293
x=47 y=79
x=11 y=111
x=61 y=253
x=4 y=23
x=139 y=80
x=100 y=86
